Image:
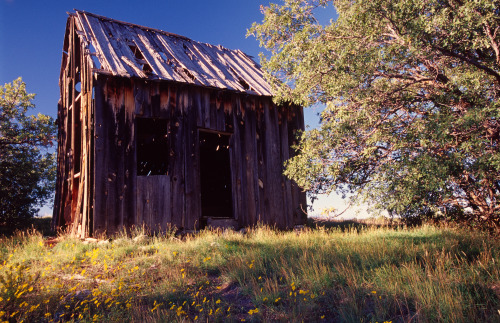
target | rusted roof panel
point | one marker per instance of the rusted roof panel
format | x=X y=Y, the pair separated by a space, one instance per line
x=130 y=50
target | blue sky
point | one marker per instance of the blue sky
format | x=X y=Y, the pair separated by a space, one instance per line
x=32 y=32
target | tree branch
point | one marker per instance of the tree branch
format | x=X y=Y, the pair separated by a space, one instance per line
x=470 y=61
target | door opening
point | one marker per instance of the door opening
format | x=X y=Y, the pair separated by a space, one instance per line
x=215 y=175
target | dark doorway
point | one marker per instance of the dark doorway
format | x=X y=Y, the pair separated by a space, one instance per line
x=215 y=175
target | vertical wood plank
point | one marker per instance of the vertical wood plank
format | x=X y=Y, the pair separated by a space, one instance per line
x=219 y=113
x=178 y=191
x=213 y=110
x=155 y=99
x=277 y=167
x=198 y=105
x=85 y=144
x=249 y=154
x=91 y=142
x=273 y=202
x=112 y=205
x=130 y=158
x=120 y=143
x=285 y=183
x=192 y=187
x=239 y=179
x=100 y=193
x=163 y=90
x=261 y=166
x=140 y=94
x=206 y=109
x=166 y=215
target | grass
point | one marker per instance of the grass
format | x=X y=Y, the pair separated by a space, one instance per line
x=358 y=273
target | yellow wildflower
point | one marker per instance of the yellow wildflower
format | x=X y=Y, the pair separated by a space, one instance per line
x=252 y=312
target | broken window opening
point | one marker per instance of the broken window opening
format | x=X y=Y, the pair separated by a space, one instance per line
x=152 y=146
x=215 y=175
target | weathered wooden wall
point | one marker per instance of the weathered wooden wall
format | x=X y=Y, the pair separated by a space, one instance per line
x=261 y=135
x=98 y=189
x=73 y=201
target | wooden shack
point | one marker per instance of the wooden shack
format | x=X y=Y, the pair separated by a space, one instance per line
x=159 y=130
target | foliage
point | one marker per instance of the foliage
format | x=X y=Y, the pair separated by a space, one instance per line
x=412 y=118
x=363 y=274
x=27 y=169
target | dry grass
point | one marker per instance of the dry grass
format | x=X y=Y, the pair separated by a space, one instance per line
x=353 y=273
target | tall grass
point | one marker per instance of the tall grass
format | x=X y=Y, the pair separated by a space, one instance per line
x=369 y=274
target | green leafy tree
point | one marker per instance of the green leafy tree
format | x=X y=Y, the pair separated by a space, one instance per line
x=411 y=88
x=27 y=168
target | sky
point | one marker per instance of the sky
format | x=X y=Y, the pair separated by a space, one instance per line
x=32 y=33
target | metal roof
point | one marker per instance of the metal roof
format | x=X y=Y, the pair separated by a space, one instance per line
x=130 y=50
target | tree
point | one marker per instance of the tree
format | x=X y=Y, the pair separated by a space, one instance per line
x=411 y=88
x=27 y=168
